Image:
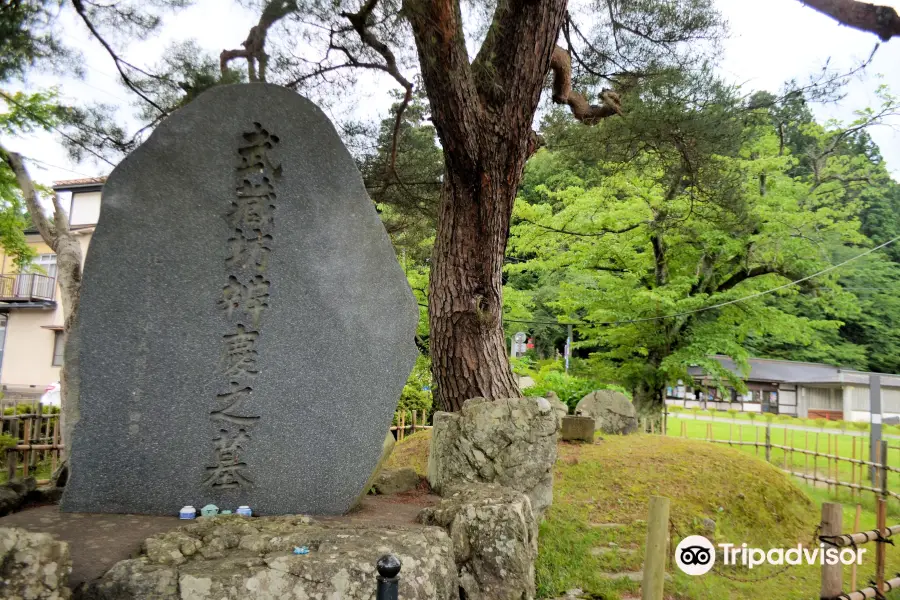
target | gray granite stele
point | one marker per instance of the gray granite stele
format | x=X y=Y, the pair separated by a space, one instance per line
x=245 y=328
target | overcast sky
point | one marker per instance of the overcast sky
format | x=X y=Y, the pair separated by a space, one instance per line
x=771 y=41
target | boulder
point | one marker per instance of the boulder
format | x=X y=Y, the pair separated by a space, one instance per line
x=33 y=566
x=232 y=557
x=494 y=535
x=612 y=411
x=14 y=493
x=396 y=481
x=510 y=441
x=559 y=407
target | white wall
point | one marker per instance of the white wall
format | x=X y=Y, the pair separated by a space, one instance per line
x=85 y=208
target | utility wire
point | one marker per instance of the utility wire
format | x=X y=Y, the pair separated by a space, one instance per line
x=46 y=164
x=46 y=123
x=714 y=306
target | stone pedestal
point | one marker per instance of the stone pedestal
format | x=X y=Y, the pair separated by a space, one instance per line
x=577 y=429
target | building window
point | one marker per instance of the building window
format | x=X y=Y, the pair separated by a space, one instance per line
x=59 y=344
x=47 y=262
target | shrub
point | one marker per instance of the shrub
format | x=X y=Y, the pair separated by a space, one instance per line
x=416 y=394
x=860 y=425
x=569 y=388
x=752 y=416
x=675 y=409
x=732 y=412
x=6 y=441
x=769 y=417
x=695 y=410
x=820 y=423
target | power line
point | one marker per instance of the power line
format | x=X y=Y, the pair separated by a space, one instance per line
x=46 y=164
x=53 y=127
x=720 y=304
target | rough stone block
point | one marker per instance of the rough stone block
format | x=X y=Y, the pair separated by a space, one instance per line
x=577 y=429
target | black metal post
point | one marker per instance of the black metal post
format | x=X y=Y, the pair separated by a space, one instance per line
x=388 y=567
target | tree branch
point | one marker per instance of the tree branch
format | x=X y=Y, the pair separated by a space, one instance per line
x=359 y=21
x=883 y=21
x=514 y=58
x=255 y=45
x=589 y=114
x=744 y=275
x=117 y=60
x=26 y=186
x=584 y=234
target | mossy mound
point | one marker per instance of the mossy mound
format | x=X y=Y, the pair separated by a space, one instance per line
x=411 y=451
x=597 y=523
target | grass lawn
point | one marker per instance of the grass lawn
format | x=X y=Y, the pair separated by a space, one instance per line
x=827 y=441
x=596 y=525
x=778 y=420
x=42 y=470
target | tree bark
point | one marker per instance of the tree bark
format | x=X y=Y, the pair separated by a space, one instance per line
x=468 y=345
x=65 y=244
x=482 y=112
x=648 y=399
x=883 y=21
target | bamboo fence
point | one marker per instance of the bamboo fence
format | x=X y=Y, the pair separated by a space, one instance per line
x=830 y=454
x=408 y=422
x=38 y=442
x=881 y=536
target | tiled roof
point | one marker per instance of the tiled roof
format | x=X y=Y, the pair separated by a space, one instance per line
x=787 y=371
x=74 y=182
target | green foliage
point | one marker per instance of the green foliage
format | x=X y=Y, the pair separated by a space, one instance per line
x=415 y=396
x=6 y=441
x=821 y=423
x=732 y=412
x=569 y=388
x=27 y=409
x=752 y=416
x=616 y=237
x=769 y=417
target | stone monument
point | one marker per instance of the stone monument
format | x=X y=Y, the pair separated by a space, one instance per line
x=245 y=328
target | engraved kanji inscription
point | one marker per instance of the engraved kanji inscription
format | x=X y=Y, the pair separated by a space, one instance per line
x=249 y=298
x=229 y=471
x=245 y=297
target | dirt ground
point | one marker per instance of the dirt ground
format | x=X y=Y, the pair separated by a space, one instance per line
x=98 y=541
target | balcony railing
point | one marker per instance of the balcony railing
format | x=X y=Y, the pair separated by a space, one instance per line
x=27 y=287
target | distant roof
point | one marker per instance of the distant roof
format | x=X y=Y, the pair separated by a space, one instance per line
x=32 y=230
x=789 y=371
x=68 y=184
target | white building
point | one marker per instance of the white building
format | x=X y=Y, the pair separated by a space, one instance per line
x=796 y=388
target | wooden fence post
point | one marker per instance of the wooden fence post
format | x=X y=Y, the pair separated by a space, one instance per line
x=881 y=517
x=12 y=455
x=655 y=557
x=26 y=454
x=768 y=442
x=855 y=529
x=831 y=574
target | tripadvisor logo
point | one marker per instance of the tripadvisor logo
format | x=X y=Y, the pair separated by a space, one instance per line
x=696 y=555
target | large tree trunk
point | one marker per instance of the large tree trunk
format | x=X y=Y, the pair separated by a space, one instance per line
x=468 y=347
x=482 y=111
x=649 y=399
